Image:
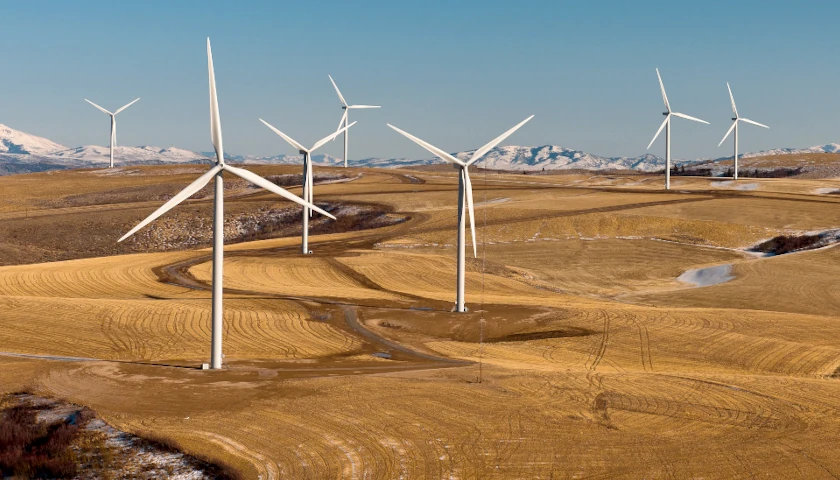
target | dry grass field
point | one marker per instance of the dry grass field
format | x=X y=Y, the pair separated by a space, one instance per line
x=594 y=360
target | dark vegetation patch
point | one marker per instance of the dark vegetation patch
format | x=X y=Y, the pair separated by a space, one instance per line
x=352 y=218
x=45 y=438
x=33 y=449
x=789 y=243
x=770 y=172
x=701 y=170
x=287 y=222
x=681 y=171
x=564 y=332
x=94 y=234
x=294 y=179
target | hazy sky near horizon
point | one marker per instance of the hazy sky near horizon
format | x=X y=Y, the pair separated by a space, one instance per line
x=453 y=73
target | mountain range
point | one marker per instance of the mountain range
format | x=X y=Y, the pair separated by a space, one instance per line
x=22 y=152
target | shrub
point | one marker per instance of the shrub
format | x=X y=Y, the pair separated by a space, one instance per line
x=786 y=243
x=31 y=449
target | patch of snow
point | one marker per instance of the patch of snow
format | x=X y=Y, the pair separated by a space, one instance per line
x=704 y=277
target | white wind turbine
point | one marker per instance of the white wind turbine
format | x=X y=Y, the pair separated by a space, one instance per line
x=667 y=123
x=465 y=197
x=307 y=176
x=344 y=118
x=218 y=210
x=734 y=126
x=113 y=125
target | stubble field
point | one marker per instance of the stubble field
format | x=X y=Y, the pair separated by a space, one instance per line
x=594 y=361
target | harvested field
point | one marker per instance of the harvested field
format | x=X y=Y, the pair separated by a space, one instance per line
x=582 y=355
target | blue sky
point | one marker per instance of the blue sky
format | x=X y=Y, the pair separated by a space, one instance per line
x=453 y=73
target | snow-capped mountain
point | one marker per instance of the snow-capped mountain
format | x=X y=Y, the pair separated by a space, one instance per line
x=549 y=157
x=21 y=152
x=553 y=157
x=327 y=160
x=827 y=148
x=17 y=142
x=130 y=155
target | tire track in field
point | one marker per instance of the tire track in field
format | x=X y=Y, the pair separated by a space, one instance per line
x=267 y=470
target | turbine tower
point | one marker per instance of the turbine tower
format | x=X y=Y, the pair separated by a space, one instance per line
x=667 y=123
x=734 y=126
x=307 y=176
x=113 y=125
x=344 y=118
x=465 y=197
x=218 y=210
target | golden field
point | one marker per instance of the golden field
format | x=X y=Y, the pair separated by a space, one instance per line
x=594 y=360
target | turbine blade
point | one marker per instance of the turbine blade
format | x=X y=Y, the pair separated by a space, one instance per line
x=215 y=121
x=330 y=137
x=662 y=86
x=483 y=150
x=340 y=96
x=286 y=137
x=126 y=105
x=342 y=121
x=667 y=118
x=184 y=194
x=682 y=115
x=469 y=194
x=261 y=182
x=364 y=106
x=97 y=106
x=728 y=132
x=428 y=146
x=754 y=123
x=732 y=99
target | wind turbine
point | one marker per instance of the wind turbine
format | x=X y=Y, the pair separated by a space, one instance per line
x=113 y=125
x=668 y=114
x=218 y=210
x=464 y=197
x=344 y=118
x=307 y=176
x=734 y=126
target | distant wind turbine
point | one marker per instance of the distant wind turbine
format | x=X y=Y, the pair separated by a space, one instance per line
x=465 y=197
x=667 y=123
x=307 y=176
x=113 y=125
x=218 y=210
x=734 y=126
x=345 y=118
